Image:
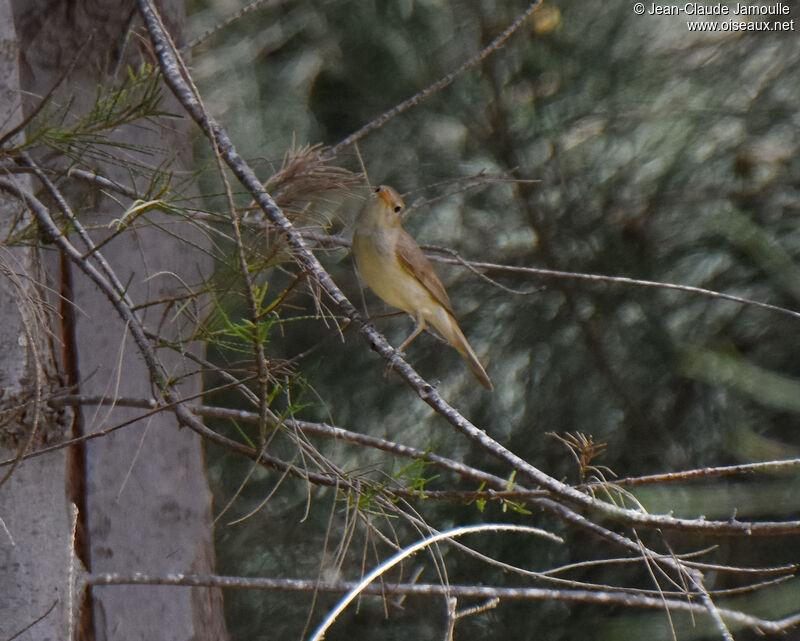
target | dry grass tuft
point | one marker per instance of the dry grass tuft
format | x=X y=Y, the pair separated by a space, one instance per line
x=304 y=176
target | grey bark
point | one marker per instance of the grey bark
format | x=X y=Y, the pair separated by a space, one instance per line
x=148 y=505
x=35 y=533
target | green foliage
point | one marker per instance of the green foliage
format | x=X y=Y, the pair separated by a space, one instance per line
x=137 y=98
x=412 y=477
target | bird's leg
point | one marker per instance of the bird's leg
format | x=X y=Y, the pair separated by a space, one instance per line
x=419 y=327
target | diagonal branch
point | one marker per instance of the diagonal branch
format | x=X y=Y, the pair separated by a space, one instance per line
x=174 y=76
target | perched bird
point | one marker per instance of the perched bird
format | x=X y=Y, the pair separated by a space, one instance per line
x=393 y=265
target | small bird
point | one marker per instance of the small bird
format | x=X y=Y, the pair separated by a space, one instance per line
x=393 y=265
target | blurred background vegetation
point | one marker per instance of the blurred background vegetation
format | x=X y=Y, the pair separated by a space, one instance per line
x=659 y=154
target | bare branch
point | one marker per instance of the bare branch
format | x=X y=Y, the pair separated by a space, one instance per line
x=775 y=626
x=554 y=273
x=439 y=84
x=706 y=472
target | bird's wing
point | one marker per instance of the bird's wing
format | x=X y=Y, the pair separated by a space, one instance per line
x=416 y=263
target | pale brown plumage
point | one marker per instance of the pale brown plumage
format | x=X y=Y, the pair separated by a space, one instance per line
x=395 y=268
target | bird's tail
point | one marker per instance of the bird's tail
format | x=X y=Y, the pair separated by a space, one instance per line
x=449 y=329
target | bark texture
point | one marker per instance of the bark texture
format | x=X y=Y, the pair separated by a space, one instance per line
x=146 y=505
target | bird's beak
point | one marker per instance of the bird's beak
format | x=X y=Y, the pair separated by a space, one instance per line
x=386 y=197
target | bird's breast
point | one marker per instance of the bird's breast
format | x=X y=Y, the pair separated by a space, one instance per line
x=377 y=261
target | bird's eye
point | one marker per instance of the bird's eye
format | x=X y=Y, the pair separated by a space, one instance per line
x=397 y=209
x=377 y=190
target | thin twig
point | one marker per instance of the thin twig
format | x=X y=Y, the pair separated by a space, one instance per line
x=438 y=85
x=555 y=273
x=223 y=25
x=66 y=210
x=47 y=97
x=19 y=633
x=474 y=266
x=705 y=472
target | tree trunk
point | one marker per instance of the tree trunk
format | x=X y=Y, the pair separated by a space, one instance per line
x=143 y=496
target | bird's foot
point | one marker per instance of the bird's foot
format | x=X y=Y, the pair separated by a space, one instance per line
x=396 y=353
